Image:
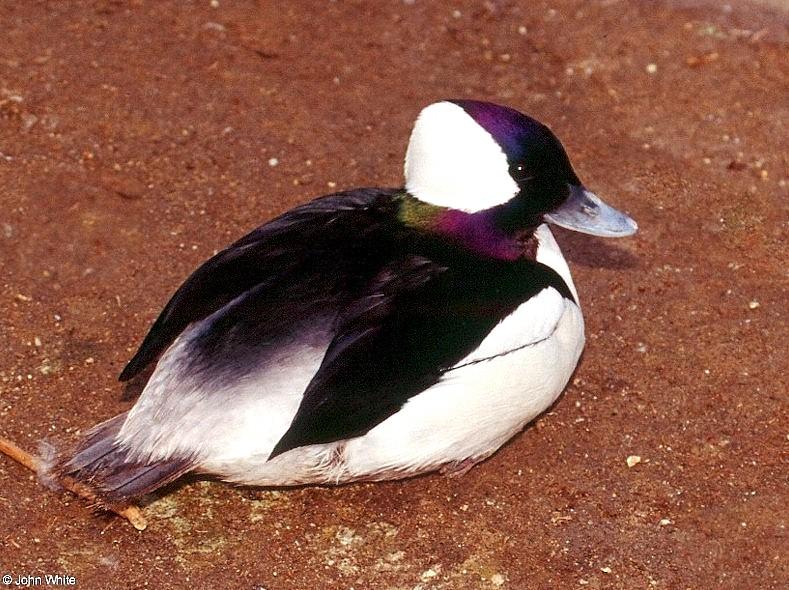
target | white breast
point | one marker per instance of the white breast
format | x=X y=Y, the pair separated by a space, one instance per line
x=528 y=325
x=549 y=253
x=469 y=414
x=478 y=406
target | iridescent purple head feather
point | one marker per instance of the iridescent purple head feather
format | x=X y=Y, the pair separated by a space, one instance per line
x=522 y=138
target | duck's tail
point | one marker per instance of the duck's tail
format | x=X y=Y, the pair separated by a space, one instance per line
x=103 y=465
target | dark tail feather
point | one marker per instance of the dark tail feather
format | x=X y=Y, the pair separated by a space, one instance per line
x=104 y=466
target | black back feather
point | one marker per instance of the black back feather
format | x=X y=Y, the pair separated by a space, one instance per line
x=304 y=243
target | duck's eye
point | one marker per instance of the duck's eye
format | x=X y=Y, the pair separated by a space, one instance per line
x=520 y=173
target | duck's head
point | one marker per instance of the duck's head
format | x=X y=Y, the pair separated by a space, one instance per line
x=474 y=157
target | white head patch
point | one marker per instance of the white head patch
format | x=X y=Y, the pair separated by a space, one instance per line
x=453 y=162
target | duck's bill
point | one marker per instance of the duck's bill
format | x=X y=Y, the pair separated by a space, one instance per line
x=585 y=212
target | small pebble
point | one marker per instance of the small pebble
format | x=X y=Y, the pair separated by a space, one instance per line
x=605 y=570
x=273 y=162
x=28 y=122
x=428 y=574
x=633 y=460
x=664 y=522
x=651 y=68
x=753 y=304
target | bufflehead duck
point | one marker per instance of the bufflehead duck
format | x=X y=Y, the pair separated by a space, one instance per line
x=369 y=334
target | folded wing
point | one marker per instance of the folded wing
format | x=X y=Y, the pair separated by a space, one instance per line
x=301 y=243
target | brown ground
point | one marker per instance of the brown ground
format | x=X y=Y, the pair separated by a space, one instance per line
x=135 y=139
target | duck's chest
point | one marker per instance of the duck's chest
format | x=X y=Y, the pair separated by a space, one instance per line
x=532 y=322
x=477 y=405
x=522 y=365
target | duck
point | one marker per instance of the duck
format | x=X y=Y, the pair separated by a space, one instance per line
x=370 y=334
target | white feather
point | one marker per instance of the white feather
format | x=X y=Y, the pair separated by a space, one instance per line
x=529 y=324
x=549 y=253
x=453 y=162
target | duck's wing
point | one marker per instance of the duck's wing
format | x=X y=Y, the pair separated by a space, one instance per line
x=417 y=320
x=311 y=243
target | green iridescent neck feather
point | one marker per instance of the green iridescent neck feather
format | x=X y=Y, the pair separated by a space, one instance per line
x=478 y=232
x=416 y=213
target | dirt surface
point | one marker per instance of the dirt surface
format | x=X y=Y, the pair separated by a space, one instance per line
x=138 y=137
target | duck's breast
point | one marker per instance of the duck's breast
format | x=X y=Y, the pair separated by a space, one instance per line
x=483 y=401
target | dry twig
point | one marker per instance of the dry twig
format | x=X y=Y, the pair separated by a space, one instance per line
x=130 y=513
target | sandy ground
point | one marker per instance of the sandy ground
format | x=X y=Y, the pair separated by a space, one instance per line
x=138 y=137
